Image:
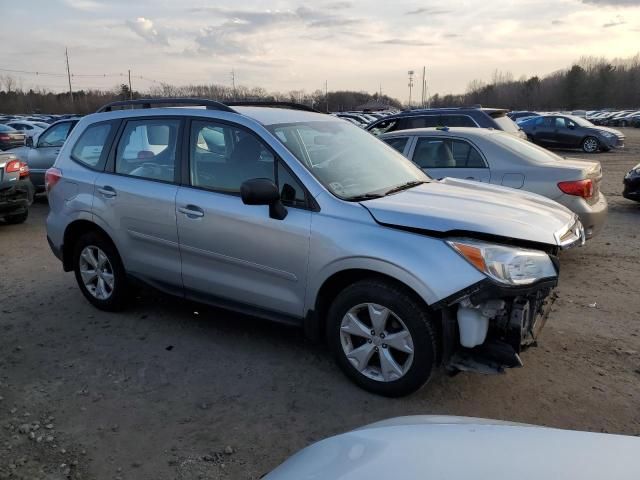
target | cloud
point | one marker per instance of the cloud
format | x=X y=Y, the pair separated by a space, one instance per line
x=401 y=41
x=338 y=5
x=87 y=5
x=614 y=23
x=451 y=35
x=430 y=11
x=557 y=22
x=615 y=3
x=145 y=29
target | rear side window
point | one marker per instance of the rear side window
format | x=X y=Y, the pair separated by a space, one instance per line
x=385 y=126
x=457 y=121
x=89 y=147
x=423 y=122
x=147 y=149
x=55 y=135
x=433 y=152
x=399 y=143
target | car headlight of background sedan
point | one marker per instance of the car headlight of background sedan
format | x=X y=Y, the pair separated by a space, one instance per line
x=505 y=264
x=607 y=134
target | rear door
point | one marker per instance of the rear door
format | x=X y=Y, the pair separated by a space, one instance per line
x=135 y=199
x=441 y=156
x=544 y=131
x=232 y=252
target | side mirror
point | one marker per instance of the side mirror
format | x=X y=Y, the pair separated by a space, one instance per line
x=29 y=142
x=262 y=191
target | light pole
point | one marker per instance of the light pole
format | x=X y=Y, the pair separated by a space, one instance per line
x=411 y=72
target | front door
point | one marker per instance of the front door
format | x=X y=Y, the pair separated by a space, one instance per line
x=232 y=252
x=45 y=151
x=440 y=157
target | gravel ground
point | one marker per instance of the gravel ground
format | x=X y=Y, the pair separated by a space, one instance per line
x=174 y=390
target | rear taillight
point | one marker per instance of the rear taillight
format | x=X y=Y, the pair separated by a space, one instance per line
x=17 y=166
x=51 y=177
x=580 y=188
x=4 y=136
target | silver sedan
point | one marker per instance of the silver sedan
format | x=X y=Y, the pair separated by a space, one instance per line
x=494 y=157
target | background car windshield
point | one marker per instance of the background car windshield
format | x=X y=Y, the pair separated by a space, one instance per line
x=345 y=159
x=525 y=148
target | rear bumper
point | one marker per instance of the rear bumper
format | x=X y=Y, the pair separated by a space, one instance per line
x=592 y=216
x=16 y=197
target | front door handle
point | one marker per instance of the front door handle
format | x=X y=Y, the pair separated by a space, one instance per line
x=191 y=211
x=107 y=191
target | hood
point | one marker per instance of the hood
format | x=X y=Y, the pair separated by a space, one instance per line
x=454 y=205
x=617 y=133
x=463 y=450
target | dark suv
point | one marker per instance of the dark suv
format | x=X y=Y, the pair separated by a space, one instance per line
x=447 y=117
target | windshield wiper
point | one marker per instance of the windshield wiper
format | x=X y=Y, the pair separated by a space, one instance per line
x=364 y=196
x=405 y=186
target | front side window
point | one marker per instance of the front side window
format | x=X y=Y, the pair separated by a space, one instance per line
x=346 y=160
x=223 y=157
x=148 y=149
x=89 y=147
x=397 y=143
x=434 y=152
x=55 y=136
x=559 y=122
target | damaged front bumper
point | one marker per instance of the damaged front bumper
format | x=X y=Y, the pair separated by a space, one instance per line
x=487 y=326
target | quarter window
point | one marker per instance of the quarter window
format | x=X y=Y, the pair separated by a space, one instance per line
x=223 y=157
x=147 y=149
x=88 y=149
x=55 y=135
x=433 y=152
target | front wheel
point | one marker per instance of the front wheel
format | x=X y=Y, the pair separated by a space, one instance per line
x=382 y=338
x=99 y=272
x=590 y=145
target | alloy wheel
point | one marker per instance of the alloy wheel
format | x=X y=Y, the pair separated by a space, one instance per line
x=590 y=145
x=96 y=272
x=376 y=342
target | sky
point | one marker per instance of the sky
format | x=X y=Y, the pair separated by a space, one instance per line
x=286 y=45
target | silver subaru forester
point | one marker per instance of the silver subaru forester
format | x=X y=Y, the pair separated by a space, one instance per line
x=300 y=217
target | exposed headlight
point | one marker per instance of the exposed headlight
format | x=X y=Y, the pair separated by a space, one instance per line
x=505 y=264
x=607 y=134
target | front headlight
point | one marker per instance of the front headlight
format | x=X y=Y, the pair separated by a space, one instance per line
x=505 y=264
x=607 y=134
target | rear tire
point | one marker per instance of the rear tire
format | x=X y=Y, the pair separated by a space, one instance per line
x=395 y=369
x=100 y=273
x=590 y=145
x=15 y=219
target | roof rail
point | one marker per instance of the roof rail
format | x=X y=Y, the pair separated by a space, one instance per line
x=267 y=103
x=149 y=102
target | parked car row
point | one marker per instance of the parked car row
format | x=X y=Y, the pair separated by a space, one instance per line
x=619 y=118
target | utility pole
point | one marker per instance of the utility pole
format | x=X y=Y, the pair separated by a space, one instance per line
x=233 y=82
x=326 y=95
x=411 y=72
x=66 y=53
x=130 y=90
x=424 y=72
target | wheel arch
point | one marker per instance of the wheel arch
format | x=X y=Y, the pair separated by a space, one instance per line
x=74 y=231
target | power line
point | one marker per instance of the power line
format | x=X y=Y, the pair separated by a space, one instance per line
x=81 y=75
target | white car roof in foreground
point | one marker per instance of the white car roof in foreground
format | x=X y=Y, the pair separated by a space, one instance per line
x=427 y=448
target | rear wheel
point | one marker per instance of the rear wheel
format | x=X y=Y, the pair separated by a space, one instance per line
x=590 y=145
x=382 y=338
x=99 y=272
x=19 y=218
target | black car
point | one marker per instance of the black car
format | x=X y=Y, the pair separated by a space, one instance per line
x=632 y=184
x=16 y=189
x=568 y=131
x=447 y=117
x=10 y=137
x=515 y=115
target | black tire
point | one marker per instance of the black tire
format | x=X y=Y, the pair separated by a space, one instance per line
x=415 y=317
x=19 y=218
x=118 y=298
x=587 y=145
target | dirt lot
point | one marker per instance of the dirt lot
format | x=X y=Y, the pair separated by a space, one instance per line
x=161 y=391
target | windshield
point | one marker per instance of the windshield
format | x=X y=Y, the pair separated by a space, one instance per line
x=506 y=124
x=580 y=121
x=524 y=148
x=348 y=161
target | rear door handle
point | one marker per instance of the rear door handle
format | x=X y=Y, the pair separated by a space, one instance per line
x=191 y=211
x=107 y=191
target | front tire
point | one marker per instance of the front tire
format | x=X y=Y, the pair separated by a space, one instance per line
x=99 y=272
x=15 y=219
x=382 y=337
x=590 y=145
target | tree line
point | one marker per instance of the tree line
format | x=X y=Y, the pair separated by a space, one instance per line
x=590 y=83
x=14 y=99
